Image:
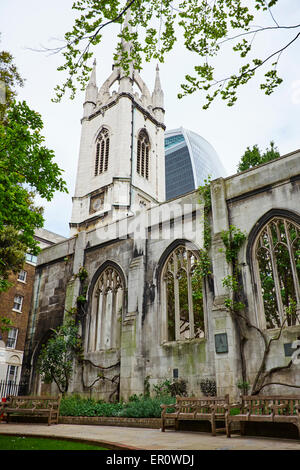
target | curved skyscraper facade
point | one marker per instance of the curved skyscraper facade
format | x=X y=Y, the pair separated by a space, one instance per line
x=189 y=160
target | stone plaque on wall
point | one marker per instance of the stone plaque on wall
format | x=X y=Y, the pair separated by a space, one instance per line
x=221 y=343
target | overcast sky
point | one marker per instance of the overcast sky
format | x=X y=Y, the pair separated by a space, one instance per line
x=255 y=119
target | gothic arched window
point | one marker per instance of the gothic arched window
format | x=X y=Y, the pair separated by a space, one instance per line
x=102 y=152
x=143 y=154
x=182 y=297
x=277 y=271
x=107 y=308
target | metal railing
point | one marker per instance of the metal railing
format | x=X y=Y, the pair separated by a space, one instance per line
x=10 y=387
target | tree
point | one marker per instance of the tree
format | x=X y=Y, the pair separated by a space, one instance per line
x=27 y=169
x=55 y=362
x=9 y=79
x=205 y=26
x=253 y=157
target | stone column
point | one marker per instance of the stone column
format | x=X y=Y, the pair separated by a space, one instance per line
x=227 y=363
x=132 y=360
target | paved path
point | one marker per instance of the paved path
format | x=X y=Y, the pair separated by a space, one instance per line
x=140 y=438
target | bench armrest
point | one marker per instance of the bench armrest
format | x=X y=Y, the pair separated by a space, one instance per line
x=228 y=406
x=215 y=406
x=171 y=405
x=164 y=408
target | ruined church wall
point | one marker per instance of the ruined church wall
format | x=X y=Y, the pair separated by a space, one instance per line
x=249 y=199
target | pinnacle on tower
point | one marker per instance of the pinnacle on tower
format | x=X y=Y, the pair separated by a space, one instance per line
x=158 y=96
x=125 y=79
x=91 y=92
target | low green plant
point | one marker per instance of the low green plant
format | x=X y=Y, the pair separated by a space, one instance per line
x=146 y=407
x=243 y=386
x=78 y=406
x=137 y=407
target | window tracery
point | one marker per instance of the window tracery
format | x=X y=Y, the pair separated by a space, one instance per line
x=182 y=297
x=143 y=154
x=107 y=308
x=277 y=270
x=102 y=152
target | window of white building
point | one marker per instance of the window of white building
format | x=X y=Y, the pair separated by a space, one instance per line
x=12 y=373
x=12 y=338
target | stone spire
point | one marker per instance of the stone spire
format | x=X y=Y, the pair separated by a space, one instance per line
x=91 y=93
x=125 y=79
x=158 y=97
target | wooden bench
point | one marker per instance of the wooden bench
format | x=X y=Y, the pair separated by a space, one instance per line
x=32 y=406
x=265 y=409
x=210 y=409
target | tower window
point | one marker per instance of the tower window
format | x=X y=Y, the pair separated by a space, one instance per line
x=143 y=154
x=102 y=152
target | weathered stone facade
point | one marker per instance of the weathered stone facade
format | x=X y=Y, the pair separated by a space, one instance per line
x=246 y=200
x=140 y=254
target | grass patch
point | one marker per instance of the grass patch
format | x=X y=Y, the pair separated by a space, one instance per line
x=39 y=443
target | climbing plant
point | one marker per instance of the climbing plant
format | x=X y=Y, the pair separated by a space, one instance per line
x=55 y=362
x=233 y=240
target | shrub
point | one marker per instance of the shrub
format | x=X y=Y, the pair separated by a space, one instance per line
x=145 y=407
x=137 y=407
x=78 y=406
x=208 y=387
x=168 y=388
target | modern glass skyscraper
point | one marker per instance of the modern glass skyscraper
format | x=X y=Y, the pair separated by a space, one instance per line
x=189 y=159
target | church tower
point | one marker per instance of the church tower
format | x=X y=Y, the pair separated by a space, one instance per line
x=121 y=166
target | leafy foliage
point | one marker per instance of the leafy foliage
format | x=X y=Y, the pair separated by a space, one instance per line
x=208 y=387
x=55 y=363
x=233 y=240
x=77 y=406
x=167 y=387
x=253 y=157
x=204 y=26
x=145 y=407
x=11 y=255
x=9 y=79
x=5 y=324
x=27 y=169
x=136 y=407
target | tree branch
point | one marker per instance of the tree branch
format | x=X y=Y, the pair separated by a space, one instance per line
x=275 y=383
x=259 y=65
